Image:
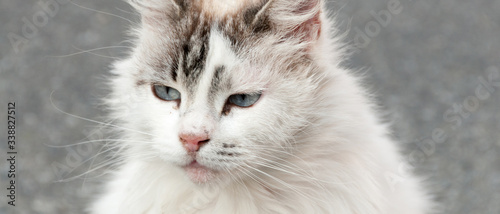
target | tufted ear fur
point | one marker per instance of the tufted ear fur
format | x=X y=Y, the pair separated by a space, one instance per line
x=295 y=18
x=159 y=12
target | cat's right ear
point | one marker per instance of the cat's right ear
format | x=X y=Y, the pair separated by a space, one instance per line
x=300 y=19
x=159 y=12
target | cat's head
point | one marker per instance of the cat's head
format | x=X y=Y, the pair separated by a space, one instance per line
x=220 y=86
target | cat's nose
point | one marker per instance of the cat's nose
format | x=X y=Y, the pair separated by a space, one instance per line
x=193 y=142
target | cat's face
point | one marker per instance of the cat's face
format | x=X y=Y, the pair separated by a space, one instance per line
x=218 y=95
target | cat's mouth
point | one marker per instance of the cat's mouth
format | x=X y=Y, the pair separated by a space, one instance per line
x=199 y=173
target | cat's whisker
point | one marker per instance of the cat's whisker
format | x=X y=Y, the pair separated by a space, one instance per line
x=282 y=162
x=285 y=154
x=93 y=121
x=263 y=183
x=91 y=158
x=109 y=162
x=102 y=12
x=110 y=147
x=94 y=141
x=89 y=171
x=278 y=180
x=129 y=12
x=131 y=42
x=96 y=54
x=106 y=163
x=238 y=179
x=267 y=163
x=292 y=166
x=91 y=163
x=273 y=149
x=254 y=177
x=313 y=180
x=118 y=152
x=288 y=154
x=90 y=51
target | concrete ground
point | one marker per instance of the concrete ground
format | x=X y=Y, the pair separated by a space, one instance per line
x=428 y=62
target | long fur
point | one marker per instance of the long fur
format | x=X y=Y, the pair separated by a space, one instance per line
x=313 y=143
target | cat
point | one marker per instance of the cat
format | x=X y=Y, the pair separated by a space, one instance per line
x=244 y=107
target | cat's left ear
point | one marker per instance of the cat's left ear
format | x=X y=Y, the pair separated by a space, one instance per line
x=158 y=12
x=294 y=18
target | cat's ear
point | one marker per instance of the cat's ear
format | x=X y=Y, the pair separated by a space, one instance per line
x=154 y=12
x=295 y=18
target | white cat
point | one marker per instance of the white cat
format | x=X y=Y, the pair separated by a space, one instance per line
x=242 y=107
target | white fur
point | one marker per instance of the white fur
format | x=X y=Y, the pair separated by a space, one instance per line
x=312 y=143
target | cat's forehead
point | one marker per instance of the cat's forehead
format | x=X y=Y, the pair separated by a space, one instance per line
x=223 y=8
x=236 y=19
x=212 y=65
x=202 y=44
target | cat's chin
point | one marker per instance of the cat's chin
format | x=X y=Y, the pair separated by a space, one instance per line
x=199 y=173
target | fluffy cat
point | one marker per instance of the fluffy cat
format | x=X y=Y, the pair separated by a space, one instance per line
x=243 y=107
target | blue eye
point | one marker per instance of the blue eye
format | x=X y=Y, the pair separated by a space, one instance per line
x=244 y=100
x=166 y=93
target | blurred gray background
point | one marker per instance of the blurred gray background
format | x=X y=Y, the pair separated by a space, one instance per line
x=424 y=59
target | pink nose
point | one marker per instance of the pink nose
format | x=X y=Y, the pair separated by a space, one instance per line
x=193 y=142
